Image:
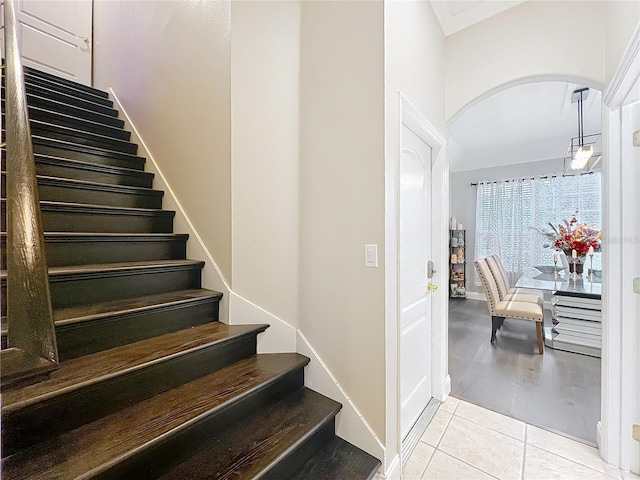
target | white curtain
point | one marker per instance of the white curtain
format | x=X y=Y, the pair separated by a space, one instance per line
x=508 y=210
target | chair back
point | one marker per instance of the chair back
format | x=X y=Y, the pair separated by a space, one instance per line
x=501 y=281
x=503 y=272
x=490 y=288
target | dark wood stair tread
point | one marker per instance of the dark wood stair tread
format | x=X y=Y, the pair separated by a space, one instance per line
x=96 y=446
x=85 y=207
x=102 y=366
x=72 y=315
x=30 y=71
x=251 y=447
x=79 y=147
x=106 y=269
x=96 y=311
x=339 y=460
x=106 y=187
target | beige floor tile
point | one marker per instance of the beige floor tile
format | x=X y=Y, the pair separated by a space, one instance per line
x=569 y=449
x=492 y=452
x=496 y=421
x=542 y=465
x=629 y=476
x=417 y=462
x=446 y=467
x=436 y=428
x=450 y=404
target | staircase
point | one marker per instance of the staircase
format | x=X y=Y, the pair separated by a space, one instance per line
x=150 y=383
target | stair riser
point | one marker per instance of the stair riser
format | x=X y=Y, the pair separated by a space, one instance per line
x=302 y=453
x=50 y=418
x=34 y=93
x=134 y=163
x=61 y=81
x=35 y=84
x=79 y=123
x=49 y=191
x=69 y=253
x=85 y=339
x=159 y=458
x=74 y=111
x=56 y=168
x=74 y=290
x=82 y=138
x=60 y=220
x=98 y=197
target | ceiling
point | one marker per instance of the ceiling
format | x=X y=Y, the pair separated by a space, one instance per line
x=521 y=124
x=456 y=15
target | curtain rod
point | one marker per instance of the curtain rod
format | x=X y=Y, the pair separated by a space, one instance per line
x=534 y=178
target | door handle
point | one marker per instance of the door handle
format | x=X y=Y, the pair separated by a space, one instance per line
x=431 y=287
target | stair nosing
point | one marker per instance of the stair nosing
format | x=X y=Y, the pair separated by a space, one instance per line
x=79 y=147
x=65 y=322
x=89 y=208
x=70 y=91
x=54 y=237
x=29 y=79
x=70 y=131
x=244 y=330
x=88 y=185
x=77 y=119
x=70 y=105
x=104 y=270
x=111 y=169
x=76 y=85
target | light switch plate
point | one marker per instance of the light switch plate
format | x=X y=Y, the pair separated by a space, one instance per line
x=371 y=255
x=636 y=138
x=636 y=285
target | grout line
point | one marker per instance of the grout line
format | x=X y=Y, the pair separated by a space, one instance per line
x=524 y=451
x=467 y=463
x=490 y=428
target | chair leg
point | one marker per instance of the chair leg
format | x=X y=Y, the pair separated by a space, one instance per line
x=539 y=333
x=496 y=322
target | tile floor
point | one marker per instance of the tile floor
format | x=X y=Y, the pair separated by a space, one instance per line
x=464 y=442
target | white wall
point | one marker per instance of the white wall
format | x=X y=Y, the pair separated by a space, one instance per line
x=342 y=195
x=535 y=39
x=621 y=20
x=265 y=68
x=169 y=65
x=414 y=65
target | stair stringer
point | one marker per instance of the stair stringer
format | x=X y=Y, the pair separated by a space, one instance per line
x=280 y=337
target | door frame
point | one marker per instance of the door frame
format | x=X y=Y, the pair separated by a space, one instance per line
x=409 y=115
x=620 y=359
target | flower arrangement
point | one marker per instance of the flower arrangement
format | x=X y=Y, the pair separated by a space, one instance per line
x=573 y=236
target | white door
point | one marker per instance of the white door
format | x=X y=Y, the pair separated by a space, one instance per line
x=414 y=299
x=55 y=36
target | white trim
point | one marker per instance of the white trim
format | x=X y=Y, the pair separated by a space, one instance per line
x=627 y=69
x=620 y=362
x=394 y=471
x=410 y=116
x=476 y=296
x=350 y=423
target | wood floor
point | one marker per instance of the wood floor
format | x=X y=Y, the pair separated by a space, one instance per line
x=558 y=390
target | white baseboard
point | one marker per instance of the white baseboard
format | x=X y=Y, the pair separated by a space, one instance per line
x=350 y=424
x=476 y=296
x=394 y=470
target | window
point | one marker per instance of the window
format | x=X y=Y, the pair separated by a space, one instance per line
x=508 y=211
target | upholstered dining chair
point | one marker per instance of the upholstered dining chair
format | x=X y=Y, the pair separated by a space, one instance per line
x=500 y=271
x=511 y=293
x=500 y=309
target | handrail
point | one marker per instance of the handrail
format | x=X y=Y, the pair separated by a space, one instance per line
x=29 y=313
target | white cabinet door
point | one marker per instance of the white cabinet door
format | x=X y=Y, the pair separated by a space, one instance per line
x=415 y=301
x=55 y=37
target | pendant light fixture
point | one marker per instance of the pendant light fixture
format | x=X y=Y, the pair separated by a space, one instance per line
x=581 y=155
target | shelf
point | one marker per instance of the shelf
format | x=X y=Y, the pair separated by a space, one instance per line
x=457 y=270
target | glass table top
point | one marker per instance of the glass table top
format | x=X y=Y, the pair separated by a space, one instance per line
x=565 y=282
